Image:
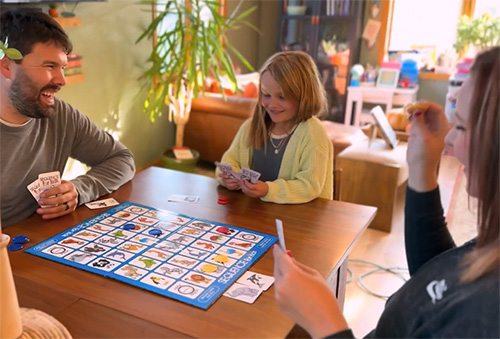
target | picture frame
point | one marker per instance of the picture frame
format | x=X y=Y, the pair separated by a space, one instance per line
x=387 y=78
x=385 y=128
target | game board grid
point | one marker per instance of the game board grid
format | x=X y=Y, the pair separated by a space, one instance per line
x=168 y=264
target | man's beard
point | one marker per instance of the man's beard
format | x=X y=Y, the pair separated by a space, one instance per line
x=25 y=97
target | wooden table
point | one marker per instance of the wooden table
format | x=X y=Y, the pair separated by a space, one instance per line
x=320 y=234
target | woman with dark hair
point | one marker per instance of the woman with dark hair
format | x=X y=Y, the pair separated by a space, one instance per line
x=453 y=291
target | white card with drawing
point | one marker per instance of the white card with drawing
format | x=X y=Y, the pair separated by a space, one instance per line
x=243 y=293
x=257 y=280
x=101 y=203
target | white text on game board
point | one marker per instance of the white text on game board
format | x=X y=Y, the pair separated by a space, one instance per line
x=230 y=273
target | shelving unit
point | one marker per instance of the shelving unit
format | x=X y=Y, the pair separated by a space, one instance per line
x=331 y=40
x=71 y=22
x=74 y=79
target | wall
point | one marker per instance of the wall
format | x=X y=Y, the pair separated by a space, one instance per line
x=111 y=95
x=431 y=90
x=257 y=47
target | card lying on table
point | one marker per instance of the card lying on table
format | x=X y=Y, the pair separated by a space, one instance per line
x=192 y=199
x=101 y=203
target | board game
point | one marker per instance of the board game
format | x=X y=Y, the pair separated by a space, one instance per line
x=178 y=256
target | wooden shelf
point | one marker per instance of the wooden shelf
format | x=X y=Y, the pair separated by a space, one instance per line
x=74 y=79
x=433 y=76
x=69 y=22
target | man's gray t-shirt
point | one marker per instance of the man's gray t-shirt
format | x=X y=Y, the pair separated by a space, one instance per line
x=44 y=145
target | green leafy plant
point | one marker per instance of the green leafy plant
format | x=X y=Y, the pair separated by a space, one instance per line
x=11 y=53
x=191 y=46
x=481 y=32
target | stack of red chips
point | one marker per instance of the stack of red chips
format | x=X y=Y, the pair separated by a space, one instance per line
x=222 y=200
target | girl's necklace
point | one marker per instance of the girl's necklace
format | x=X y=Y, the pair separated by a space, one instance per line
x=281 y=143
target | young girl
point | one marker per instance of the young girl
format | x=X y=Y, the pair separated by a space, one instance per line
x=284 y=141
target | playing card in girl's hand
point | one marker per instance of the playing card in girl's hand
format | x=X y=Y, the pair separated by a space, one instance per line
x=250 y=175
x=227 y=169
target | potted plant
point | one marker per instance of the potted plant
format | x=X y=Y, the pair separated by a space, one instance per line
x=190 y=45
x=481 y=32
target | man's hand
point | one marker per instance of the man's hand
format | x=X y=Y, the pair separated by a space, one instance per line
x=230 y=182
x=257 y=190
x=59 y=200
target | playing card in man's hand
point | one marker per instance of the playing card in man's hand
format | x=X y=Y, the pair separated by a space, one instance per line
x=49 y=180
x=35 y=189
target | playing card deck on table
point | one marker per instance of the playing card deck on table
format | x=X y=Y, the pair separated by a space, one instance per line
x=177 y=256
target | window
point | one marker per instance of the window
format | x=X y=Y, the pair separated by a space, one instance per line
x=424 y=23
x=487 y=6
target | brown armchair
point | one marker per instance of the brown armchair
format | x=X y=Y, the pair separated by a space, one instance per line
x=214 y=122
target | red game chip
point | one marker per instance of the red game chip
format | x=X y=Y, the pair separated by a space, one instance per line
x=222 y=200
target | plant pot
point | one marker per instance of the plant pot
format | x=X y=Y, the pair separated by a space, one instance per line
x=10 y=317
x=53 y=12
x=184 y=165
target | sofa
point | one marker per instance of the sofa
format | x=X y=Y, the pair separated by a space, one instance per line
x=214 y=122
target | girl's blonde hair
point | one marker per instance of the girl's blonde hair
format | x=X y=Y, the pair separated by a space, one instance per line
x=297 y=75
x=484 y=133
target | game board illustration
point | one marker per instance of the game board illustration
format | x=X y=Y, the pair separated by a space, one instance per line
x=175 y=255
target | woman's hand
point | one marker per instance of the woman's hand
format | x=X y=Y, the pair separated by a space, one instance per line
x=58 y=201
x=425 y=146
x=303 y=295
x=257 y=190
x=230 y=182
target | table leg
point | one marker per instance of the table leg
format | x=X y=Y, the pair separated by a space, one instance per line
x=348 y=110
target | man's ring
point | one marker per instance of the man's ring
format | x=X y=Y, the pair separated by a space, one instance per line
x=67 y=206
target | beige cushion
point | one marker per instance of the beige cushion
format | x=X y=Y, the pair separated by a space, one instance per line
x=40 y=325
x=378 y=152
x=343 y=136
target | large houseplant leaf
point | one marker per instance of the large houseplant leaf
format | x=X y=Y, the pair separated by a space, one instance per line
x=192 y=48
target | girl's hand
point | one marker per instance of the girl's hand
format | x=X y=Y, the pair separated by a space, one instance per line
x=425 y=146
x=303 y=295
x=257 y=190
x=230 y=182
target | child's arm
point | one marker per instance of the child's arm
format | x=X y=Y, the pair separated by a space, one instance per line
x=237 y=154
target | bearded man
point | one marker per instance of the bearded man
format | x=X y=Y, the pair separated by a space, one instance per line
x=38 y=132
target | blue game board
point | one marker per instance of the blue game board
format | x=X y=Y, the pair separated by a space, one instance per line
x=180 y=257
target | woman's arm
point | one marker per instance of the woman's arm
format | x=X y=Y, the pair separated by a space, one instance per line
x=426 y=234
x=303 y=295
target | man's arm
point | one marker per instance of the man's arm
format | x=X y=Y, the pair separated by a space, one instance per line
x=112 y=164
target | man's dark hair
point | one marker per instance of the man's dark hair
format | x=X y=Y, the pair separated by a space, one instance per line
x=25 y=27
